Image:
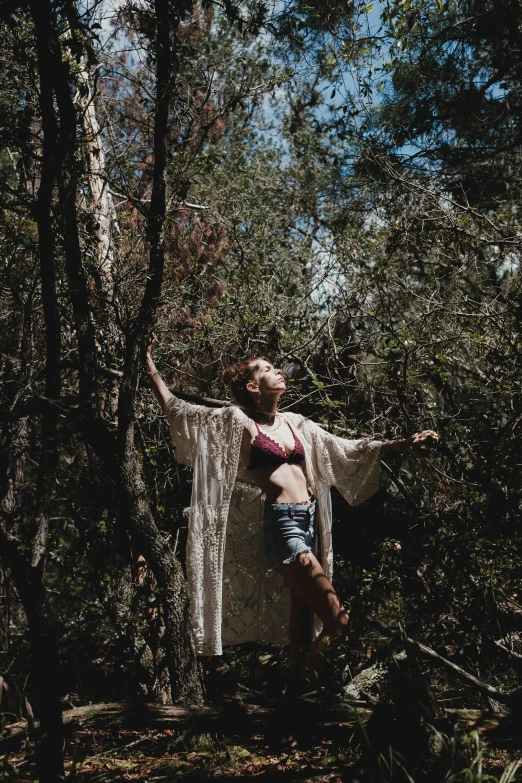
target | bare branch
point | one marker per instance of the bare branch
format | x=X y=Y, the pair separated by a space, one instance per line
x=462 y=674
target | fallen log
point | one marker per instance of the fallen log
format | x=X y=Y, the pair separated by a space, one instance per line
x=235 y=717
x=115 y=713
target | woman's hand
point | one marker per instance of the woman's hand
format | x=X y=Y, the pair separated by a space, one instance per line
x=416 y=444
x=159 y=388
x=148 y=351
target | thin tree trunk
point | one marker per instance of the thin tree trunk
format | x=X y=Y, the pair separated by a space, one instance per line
x=67 y=179
x=11 y=482
x=149 y=541
x=46 y=247
x=28 y=578
x=45 y=661
x=5 y=608
x=179 y=647
x=103 y=210
x=180 y=653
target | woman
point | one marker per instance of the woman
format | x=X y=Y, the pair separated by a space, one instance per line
x=294 y=462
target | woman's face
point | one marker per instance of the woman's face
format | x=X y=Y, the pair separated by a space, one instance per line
x=266 y=379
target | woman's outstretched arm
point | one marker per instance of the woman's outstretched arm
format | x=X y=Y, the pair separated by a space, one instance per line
x=353 y=465
x=159 y=387
x=413 y=445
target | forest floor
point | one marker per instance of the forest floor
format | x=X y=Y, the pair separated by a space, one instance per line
x=261 y=731
x=180 y=753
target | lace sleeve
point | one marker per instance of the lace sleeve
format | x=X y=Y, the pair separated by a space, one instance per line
x=353 y=466
x=186 y=422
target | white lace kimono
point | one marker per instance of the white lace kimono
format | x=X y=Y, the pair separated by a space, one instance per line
x=234 y=595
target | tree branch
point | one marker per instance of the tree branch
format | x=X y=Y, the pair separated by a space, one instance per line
x=488 y=690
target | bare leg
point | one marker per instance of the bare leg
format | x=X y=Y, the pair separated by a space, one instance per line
x=308 y=581
x=300 y=627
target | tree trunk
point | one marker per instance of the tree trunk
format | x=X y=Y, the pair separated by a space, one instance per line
x=148 y=540
x=5 y=608
x=102 y=205
x=46 y=674
x=45 y=661
x=179 y=647
x=180 y=653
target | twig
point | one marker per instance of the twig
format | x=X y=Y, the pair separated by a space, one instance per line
x=116 y=750
x=489 y=690
x=511 y=653
x=450 y=478
x=398 y=483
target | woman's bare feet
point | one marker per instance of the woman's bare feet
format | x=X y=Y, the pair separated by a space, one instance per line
x=325 y=647
x=312 y=591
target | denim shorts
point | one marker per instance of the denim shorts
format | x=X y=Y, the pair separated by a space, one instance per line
x=288 y=530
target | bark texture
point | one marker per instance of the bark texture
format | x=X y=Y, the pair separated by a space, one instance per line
x=181 y=658
x=5 y=606
x=45 y=661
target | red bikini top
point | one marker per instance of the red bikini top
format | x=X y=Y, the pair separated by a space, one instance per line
x=265 y=452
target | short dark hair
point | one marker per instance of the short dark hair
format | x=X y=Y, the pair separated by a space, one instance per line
x=237 y=376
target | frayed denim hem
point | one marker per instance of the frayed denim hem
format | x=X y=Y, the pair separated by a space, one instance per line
x=294 y=557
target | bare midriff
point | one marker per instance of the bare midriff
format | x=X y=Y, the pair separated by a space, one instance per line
x=284 y=483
